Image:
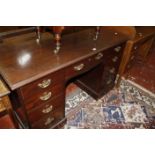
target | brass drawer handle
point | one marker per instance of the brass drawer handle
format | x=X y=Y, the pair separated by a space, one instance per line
x=79 y=67
x=112 y=70
x=94 y=49
x=47 y=110
x=99 y=56
x=49 y=120
x=45 y=96
x=44 y=83
x=117 y=49
x=115 y=59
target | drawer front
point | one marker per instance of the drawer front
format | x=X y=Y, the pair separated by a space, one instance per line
x=46 y=109
x=50 y=120
x=42 y=84
x=113 y=55
x=43 y=96
x=113 y=62
x=108 y=81
x=83 y=66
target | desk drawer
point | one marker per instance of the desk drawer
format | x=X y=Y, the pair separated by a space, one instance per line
x=43 y=96
x=108 y=80
x=46 y=109
x=112 y=56
x=42 y=84
x=50 y=120
x=83 y=66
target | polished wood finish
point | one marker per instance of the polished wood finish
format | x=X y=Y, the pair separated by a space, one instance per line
x=45 y=109
x=12 y=33
x=59 y=30
x=8 y=28
x=26 y=63
x=34 y=99
x=104 y=75
x=23 y=60
x=83 y=66
x=125 y=60
x=34 y=87
x=129 y=31
x=50 y=120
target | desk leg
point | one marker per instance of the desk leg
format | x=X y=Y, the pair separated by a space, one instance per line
x=124 y=61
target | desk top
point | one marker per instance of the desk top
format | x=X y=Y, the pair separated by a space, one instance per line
x=23 y=60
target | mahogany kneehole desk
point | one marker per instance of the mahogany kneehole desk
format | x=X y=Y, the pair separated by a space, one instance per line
x=37 y=77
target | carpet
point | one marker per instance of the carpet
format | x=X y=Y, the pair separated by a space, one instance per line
x=124 y=108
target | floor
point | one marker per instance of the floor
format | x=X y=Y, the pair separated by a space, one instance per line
x=130 y=106
x=126 y=107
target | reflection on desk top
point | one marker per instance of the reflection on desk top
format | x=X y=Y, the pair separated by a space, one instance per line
x=23 y=60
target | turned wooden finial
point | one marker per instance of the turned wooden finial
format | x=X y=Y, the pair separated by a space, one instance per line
x=38 y=33
x=97 y=32
x=57 y=37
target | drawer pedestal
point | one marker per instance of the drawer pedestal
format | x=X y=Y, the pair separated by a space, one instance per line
x=101 y=79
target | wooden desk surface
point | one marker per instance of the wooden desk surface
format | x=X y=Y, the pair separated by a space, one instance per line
x=23 y=60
